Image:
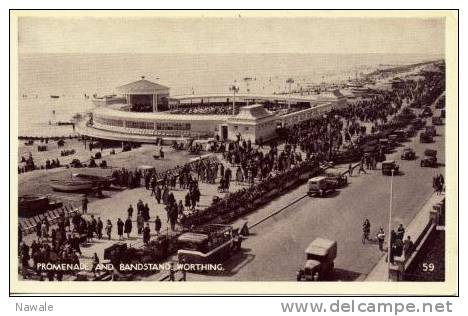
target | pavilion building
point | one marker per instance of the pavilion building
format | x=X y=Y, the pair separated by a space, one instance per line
x=141 y=113
x=145 y=96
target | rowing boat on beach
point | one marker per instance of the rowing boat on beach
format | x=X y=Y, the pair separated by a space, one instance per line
x=71 y=185
x=81 y=183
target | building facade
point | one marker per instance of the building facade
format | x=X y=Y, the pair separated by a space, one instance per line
x=141 y=114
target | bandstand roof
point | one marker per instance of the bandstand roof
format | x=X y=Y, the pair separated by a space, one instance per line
x=142 y=86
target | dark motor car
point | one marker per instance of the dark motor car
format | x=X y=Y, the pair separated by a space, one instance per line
x=430 y=158
x=388 y=166
x=338 y=177
x=437 y=120
x=431 y=130
x=408 y=154
x=424 y=137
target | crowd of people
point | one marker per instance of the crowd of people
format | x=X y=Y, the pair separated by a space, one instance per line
x=126 y=178
x=57 y=245
x=27 y=164
x=218 y=109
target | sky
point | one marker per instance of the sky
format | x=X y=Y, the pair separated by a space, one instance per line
x=234 y=34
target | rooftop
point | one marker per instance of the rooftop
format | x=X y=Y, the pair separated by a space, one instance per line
x=141 y=86
x=253 y=112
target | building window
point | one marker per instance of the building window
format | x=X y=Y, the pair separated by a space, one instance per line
x=246 y=128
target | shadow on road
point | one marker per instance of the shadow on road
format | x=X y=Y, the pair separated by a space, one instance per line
x=346 y=275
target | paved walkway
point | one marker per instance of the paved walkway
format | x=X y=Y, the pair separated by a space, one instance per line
x=414 y=229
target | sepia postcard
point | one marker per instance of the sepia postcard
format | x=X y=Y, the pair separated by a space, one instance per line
x=234 y=152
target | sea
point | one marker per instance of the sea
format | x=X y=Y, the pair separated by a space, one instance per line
x=72 y=77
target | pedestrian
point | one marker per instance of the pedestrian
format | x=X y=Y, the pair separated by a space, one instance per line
x=99 y=227
x=109 y=229
x=408 y=246
x=120 y=228
x=44 y=230
x=173 y=216
x=400 y=232
x=180 y=208
x=128 y=227
x=140 y=223
x=366 y=230
x=39 y=230
x=165 y=194
x=381 y=238
x=90 y=232
x=95 y=264
x=130 y=211
x=157 y=225
x=146 y=234
x=361 y=167
x=350 y=170
x=146 y=213
x=84 y=204
x=157 y=194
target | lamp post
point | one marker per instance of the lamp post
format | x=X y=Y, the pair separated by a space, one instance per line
x=390 y=224
x=234 y=90
x=290 y=81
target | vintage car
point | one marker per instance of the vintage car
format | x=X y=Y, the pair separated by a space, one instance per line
x=408 y=154
x=410 y=131
x=338 y=176
x=212 y=243
x=319 y=265
x=401 y=135
x=430 y=158
x=425 y=138
x=431 y=130
x=388 y=166
x=320 y=186
x=437 y=120
x=393 y=140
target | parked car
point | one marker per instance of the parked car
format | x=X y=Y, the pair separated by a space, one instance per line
x=401 y=135
x=410 y=131
x=431 y=130
x=319 y=265
x=425 y=138
x=338 y=177
x=430 y=158
x=393 y=140
x=388 y=166
x=408 y=154
x=437 y=120
x=320 y=186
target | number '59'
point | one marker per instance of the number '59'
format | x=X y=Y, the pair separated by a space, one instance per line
x=428 y=267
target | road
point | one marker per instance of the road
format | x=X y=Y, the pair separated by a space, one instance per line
x=275 y=250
